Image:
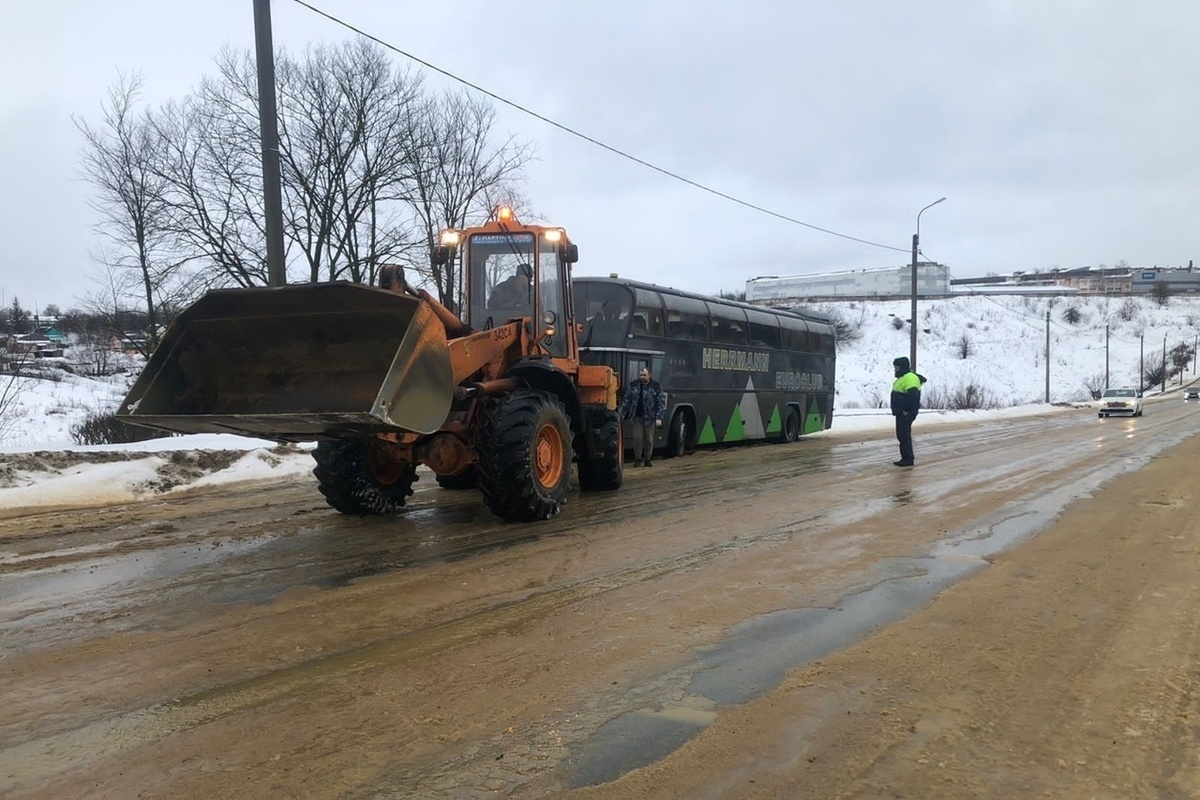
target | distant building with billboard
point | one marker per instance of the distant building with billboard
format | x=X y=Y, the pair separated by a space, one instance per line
x=933 y=279
x=1113 y=280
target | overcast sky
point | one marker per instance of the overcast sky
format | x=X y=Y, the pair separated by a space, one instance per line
x=1063 y=132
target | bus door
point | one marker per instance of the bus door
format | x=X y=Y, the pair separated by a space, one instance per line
x=635 y=360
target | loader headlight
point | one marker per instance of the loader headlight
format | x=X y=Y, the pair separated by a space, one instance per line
x=554 y=235
x=451 y=237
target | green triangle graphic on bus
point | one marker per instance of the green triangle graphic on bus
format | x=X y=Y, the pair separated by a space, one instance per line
x=776 y=424
x=736 y=431
x=707 y=434
x=815 y=421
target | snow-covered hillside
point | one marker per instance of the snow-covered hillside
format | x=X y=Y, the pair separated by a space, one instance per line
x=1005 y=339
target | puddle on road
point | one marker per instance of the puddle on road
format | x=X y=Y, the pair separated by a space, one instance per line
x=756 y=655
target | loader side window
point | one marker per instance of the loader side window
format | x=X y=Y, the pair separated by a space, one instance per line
x=550 y=297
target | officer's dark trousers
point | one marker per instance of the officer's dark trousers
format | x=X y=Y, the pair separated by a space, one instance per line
x=904 y=436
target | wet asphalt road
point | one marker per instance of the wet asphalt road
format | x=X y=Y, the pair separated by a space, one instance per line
x=145 y=634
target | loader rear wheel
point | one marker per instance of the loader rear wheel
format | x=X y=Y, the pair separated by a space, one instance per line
x=525 y=456
x=359 y=482
x=603 y=471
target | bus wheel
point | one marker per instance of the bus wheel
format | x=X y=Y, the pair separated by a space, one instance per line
x=791 y=427
x=677 y=436
x=525 y=456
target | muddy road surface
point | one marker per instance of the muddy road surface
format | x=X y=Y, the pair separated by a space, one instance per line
x=1015 y=617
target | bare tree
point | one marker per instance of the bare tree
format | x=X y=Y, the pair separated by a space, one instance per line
x=1155 y=370
x=13 y=382
x=109 y=322
x=458 y=171
x=372 y=168
x=119 y=161
x=1095 y=385
x=964 y=347
x=1180 y=356
x=1161 y=292
x=344 y=126
x=211 y=164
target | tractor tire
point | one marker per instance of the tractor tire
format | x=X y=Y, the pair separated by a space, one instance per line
x=677 y=436
x=525 y=456
x=790 y=431
x=350 y=484
x=467 y=479
x=603 y=472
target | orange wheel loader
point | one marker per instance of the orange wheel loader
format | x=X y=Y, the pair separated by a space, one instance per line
x=387 y=378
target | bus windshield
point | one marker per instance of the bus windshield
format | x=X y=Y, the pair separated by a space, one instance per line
x=604 y=310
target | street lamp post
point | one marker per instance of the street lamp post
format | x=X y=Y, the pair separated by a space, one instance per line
x=912 y=325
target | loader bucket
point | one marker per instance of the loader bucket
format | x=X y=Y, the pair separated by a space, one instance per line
x=292 y=363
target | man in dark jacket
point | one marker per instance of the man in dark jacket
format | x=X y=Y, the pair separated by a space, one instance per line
x=645 y=404
x=514 y=292
x=906 y=402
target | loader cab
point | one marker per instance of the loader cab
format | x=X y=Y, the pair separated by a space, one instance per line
x=514 y=271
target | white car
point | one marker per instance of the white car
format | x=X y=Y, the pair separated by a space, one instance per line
x=1121 y=401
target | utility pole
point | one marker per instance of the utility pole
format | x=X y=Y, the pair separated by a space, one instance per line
x=1105 y=356
x=1164 y=364
x=269 y=133
x=912 y=325
x=1195 y=345
x=1142 y=361
x=1047 y=357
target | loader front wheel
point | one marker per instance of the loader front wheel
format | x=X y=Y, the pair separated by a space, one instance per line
x=359 y=481
x=525 y=456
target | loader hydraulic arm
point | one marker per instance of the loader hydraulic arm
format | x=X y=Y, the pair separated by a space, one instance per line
x=491 y=351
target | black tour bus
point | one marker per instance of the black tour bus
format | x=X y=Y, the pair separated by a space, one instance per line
x=731 y=371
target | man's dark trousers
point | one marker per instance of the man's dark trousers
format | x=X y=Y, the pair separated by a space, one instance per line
x=904 y=424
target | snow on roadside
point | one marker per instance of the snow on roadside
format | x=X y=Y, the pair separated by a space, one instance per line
x=103 y=474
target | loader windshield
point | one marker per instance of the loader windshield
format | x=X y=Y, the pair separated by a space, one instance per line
x=501 y=277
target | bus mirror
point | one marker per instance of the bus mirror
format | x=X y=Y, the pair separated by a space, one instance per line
x=570 y=253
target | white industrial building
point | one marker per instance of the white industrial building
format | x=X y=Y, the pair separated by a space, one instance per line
x=932 y=279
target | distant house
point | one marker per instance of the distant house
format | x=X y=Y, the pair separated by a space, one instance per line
x=51 y=333
x=131 y=343
x=32 y=345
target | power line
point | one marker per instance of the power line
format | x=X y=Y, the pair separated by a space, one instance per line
x=589 y=139
x=991 y=299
